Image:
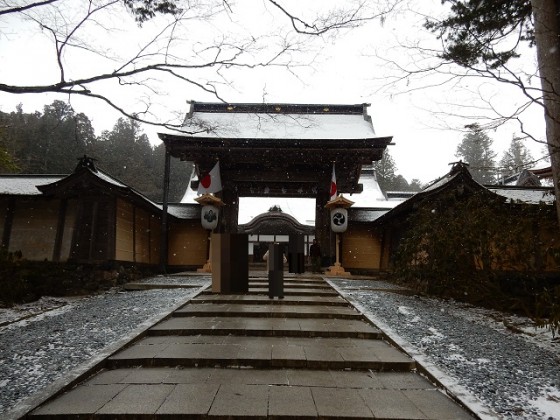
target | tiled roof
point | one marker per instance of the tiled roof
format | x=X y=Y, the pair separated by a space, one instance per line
x=25 y=184
x=184 y=211
x=525 y=194
x=365 y=215
x=279 y=121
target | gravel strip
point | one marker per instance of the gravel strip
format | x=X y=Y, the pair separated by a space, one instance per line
x=39 y=350
x=512 y=373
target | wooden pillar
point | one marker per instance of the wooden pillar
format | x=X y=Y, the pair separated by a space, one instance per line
x=8 y=222
x=322 y=225
x=59 y=229
x=133 y=233
x=163 y=257
x=93 y=232
x=230 y=210
x=382 y=251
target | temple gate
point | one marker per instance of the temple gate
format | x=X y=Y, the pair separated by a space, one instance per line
x=277 y=150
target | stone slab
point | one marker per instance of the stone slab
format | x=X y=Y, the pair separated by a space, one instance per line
x=435 y=405
x=288 y=401
x=390 y=404
x=251 y=299
x=324 y=353
x=189 y=400
x=340 y=402
x=83 y=400
x=241 y=400
x=266 y=327
x=261 y=310
x=137 y=399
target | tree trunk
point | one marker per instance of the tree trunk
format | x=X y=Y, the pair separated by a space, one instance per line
x=547 y=36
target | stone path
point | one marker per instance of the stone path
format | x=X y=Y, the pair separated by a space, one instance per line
x=308 y=355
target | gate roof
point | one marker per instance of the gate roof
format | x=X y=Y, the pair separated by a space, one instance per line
x=279 y=149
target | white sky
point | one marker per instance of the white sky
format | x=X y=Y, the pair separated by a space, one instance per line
x=344 y=70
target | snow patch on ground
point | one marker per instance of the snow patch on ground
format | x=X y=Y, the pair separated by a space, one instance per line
x=40 y=349
x=548 y=403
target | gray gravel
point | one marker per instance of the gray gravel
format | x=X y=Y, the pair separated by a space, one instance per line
x=516 y=374
x=37 y=351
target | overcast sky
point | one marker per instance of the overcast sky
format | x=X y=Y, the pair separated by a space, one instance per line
x=348 y=67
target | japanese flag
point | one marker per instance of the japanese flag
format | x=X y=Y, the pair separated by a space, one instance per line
x=211 y=182
x=333 y=190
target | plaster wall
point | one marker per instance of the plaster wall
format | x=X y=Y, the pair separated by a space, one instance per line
x=137 y=234
x=188 y=243
x=34 y=228
x=124 y=240
x=69 y=228
x=361 y=248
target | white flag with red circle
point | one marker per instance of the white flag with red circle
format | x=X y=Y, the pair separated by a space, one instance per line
x=333 y=190
x=211 y=182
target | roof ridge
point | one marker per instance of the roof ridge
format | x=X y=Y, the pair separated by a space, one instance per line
x=277 y=108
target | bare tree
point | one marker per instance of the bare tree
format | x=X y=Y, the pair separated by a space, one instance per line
x=177 y=45
x=547 y=36
x=483 y=41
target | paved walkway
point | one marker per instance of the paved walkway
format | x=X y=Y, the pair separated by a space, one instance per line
x=223 y=356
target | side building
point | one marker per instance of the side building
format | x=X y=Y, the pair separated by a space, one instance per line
x=91 y=217
x=535 y=246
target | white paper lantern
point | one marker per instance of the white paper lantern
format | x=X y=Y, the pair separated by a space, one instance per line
x=209 y=217
x=339 y=220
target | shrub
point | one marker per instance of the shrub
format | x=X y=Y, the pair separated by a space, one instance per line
x=474 y=247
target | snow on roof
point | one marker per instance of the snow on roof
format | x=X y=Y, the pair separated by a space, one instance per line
x=525 y=195
x=302 y=209
x=366 y=215
x=108 y=178
x=438 y=182
x=183 y=211
x=262 y=125
x=25 y=184
x=371 y=195
x=111 y=180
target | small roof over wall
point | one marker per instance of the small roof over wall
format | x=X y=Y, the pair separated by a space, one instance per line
x=25 y=184
x=528 y=195
x=275 y=222
x=459 y=177
x=84 y=179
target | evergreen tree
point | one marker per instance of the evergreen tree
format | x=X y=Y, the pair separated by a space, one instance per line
x=47 y=142
x=472 y=37
x=475 y=149
x=516 y=158
x=387 y=177
x=180 y=173
x=472 y=31
x=64 y=137
x=385 y=169
x=125 y=153
x=415 y=185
